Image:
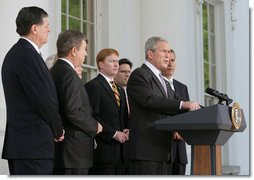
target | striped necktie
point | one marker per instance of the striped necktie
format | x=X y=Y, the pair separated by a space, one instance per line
x=116 y=93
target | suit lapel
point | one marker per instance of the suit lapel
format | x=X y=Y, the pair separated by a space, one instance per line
x=107 y=87
x=155 y=79
x=178 y=94
x=180 y=91
x=175 y=86
x=122 y=97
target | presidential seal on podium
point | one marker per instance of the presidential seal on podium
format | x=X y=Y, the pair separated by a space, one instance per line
x=236 y=115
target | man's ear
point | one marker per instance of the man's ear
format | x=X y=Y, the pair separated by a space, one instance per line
x=33 y=29
x=149 y=54
x=74 y=51
x=100 y=64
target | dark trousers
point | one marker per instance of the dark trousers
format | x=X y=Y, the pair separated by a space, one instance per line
x=176 y=168
x=147 y=168
x=70 y=171
x=115 y=168
x=31 y=166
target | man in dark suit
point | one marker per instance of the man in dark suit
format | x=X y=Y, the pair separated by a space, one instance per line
x=178 y=154
x=122 y=76
x=33 y=120
x=148 y=98
x=109 y=108
x=75 y=154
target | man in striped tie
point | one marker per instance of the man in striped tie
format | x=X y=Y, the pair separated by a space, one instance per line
x=116 y=93
x=109 y=108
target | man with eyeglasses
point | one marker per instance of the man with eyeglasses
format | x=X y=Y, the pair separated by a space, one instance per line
x=123 y=75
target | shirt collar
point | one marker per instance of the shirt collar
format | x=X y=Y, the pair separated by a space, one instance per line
x=67 y=61
x=170 y=80
x=153 y=68
x=107 y=78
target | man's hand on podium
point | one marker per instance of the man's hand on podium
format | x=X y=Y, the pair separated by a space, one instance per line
x=190 y=106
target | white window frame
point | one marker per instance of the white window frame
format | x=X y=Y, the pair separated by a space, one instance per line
x=220 y=47
x=223 y=44
x=209 y=100
x=89 y=67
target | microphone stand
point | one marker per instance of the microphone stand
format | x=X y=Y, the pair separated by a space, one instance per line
x=228 y=101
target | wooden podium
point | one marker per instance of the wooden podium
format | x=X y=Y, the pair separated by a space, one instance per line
x=205 y=130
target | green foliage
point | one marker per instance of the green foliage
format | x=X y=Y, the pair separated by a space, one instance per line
x=206 y=75
x=74 y=8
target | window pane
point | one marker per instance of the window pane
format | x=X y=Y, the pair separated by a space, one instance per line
x=209 y=49
x=211 y=18
x=79 y=15
x=74 y=24
x=74 y=8
x=88 y=29
x=84 y=76
x=205 y=46
x=213 y=77
x=63 y=22
x=64 y=6
x=210 y=100
x=212 y=48
x=205 y=20
x=206 y=75
x=88 y=12
x=90 y=59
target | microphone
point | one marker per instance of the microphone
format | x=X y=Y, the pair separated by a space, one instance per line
x=220 y=96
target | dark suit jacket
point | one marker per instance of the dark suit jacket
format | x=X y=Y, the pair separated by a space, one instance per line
x=148 y=103
x=182 y=92
x=33 y=119
x=76 y=151
x=106 y=111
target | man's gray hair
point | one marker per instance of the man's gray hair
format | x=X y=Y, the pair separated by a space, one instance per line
x=67 y=40
x=151 y=43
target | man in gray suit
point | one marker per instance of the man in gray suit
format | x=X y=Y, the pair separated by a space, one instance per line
x=148 y=98
x=75 y=154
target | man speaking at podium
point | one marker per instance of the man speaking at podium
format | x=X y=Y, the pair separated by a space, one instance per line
x=149 y=101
